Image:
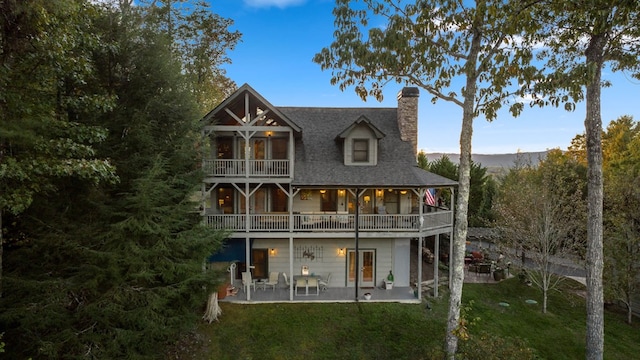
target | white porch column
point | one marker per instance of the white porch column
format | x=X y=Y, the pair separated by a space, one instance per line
x=248 y=262
x=419 y=285
x=436 y=276
x=291 y=282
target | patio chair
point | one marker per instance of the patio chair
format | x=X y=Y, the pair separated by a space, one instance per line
x=248 y=281
x=286 y=280
x=300 y=283
x=313 y=282
x=273 y=280
x=324 y=283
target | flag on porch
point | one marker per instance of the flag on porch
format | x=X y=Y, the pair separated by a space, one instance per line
x=430 y=197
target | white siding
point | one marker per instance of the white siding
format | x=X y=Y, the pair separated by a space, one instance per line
x=391 y=254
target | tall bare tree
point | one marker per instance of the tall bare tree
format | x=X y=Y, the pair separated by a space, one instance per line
x=466 y=53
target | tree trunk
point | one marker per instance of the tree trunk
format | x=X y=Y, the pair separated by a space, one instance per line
x=456 y=260
x=593 y=127
x=544 y=300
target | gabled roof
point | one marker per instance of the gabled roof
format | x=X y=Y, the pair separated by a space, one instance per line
x=362 y=120
x=320 y=161
x=237 y=103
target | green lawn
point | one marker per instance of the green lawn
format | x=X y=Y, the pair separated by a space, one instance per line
x=398 y=331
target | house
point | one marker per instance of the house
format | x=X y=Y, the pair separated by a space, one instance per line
x=333 y=190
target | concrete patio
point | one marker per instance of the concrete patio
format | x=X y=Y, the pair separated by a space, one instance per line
x=342 y=294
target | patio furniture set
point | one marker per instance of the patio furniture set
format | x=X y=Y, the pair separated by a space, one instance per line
x=304 y=281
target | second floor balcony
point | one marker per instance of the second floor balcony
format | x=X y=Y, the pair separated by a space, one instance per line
x=247 y=168
x=335 y=222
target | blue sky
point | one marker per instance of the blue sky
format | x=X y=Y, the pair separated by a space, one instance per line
x=280 y=37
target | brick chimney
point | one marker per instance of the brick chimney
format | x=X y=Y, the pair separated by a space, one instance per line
x=408 y=116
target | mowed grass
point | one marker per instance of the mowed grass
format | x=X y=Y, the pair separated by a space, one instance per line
x=400 y=331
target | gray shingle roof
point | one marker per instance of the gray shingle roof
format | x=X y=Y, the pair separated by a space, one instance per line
x=319 y=158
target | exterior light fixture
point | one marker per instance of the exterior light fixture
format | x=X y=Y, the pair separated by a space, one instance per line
x=341 y=251
x=367 y=198
x=272 y=251
x=403 y=192
x=269 y=133
x=323 y=191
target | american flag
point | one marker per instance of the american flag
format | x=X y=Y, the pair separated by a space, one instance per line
x=429 y=197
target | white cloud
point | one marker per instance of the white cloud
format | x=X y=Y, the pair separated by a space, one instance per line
x=269 y=3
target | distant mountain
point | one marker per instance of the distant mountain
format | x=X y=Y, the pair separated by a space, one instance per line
x=494 y=161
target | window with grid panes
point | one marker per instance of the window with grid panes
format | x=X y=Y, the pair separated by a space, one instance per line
x=360 y=150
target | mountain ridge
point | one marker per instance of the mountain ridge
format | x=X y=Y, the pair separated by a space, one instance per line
x=505 y=161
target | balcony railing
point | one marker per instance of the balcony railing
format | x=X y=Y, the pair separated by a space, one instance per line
x=238 y=167
x=330 y=222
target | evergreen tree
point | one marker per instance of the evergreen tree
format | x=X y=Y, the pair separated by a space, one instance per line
x=116 y=270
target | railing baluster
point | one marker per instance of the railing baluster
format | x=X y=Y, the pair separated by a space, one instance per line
x=329 y=222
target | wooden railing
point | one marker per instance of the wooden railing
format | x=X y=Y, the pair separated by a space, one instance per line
x=330 y=222
x=238 y=167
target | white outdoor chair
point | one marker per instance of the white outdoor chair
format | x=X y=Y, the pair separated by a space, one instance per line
x=248 y=281
x=286 y=280
x=300 y=283
x=324 y=283
x=313 y=282
x=273 y=280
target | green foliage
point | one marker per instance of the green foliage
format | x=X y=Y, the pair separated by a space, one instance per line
x=468 y=54
x=542 y=211
x=201 y=40
x=46 y=131
x=102 y=269
x=431 y=44
x=621 y=148
x=602 y=30
x=482 y=187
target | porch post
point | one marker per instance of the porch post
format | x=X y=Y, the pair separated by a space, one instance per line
x=291 y=282
x=357 y=226
x=436 y=254
x=292 y=193
x=247 y=221
x=419 y=284
x=248 y=267
x=291 y=154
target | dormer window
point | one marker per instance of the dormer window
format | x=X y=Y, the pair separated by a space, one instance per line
x=360 y=143
x=360 y=150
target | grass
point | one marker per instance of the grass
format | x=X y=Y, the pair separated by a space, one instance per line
x=400 y=331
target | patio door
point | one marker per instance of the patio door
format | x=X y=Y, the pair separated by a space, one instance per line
x=260 y=262
x=367 y=271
